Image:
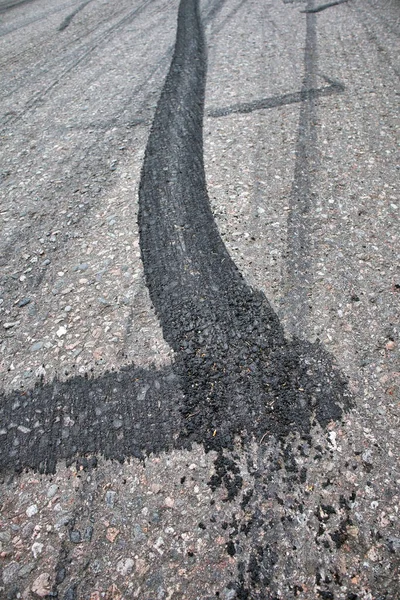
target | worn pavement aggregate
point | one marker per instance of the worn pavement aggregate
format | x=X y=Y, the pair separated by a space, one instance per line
x=199 y=300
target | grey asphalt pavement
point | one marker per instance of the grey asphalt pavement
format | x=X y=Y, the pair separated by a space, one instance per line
x=199 y=300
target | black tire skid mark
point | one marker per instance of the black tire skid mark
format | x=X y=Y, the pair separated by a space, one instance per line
x=238 y=374
x=210 y=16
x=231 y=353
x=126 y=414
x=106 y=125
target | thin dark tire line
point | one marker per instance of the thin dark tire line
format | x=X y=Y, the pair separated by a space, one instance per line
x=11 y=5
x=68 y=19
x=298 y=277
x=34 y=20
x=276 y=101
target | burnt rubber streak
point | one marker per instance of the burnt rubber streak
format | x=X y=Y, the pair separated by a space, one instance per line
x=235 y=373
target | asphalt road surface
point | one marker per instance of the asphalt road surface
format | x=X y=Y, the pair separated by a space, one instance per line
x=199 y=300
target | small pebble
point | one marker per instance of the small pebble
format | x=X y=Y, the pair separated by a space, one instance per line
x=75 y=536
x=70 y=594
x=125 y=566
x=10 y=324
x=87 y=536
x=10 y=572
x=52 y=490
x=42 y=585
x=112 y=533
x=36 y=346
x=27 y=530
x=23 y=302
x=82 y=267
x=5 y=536
x=37 y=549
x=31 y=510
x=23 y=429
x=103 y=301
x=110 y=498
x=26 y=569
x=60 y=576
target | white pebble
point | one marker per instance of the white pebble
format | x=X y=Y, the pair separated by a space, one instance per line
x=31 y=510
x=37 y=548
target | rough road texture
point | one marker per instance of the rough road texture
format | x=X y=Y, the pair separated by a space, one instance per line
x=240 y=474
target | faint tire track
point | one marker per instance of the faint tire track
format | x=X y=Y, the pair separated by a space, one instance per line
x=5 y=6
x=11 y=28
x=94 y=45
x=68 y=19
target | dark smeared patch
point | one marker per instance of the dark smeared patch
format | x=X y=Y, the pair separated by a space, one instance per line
x=129 y=413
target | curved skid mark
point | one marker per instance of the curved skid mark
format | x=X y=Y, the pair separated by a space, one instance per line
x=238 y=371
